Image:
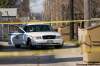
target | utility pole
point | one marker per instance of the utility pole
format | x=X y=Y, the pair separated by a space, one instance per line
x=87 y=12
x=71 y=18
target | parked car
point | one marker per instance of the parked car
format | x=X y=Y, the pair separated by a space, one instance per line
x=36 y=34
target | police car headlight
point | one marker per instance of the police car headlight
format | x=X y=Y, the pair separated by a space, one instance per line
x=58 y=37
x=38 y=37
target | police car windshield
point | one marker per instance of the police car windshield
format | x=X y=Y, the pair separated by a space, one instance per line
x=38 y=28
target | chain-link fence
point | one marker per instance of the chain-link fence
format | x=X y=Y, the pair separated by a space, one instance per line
x=5 y=30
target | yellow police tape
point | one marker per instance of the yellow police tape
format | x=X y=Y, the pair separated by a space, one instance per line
x=46 y=22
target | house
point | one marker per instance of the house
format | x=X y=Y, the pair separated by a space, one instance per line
x=8 y=14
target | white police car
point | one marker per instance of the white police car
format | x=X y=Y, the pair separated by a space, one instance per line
x=36 y=35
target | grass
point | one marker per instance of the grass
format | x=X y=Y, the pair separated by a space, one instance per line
x=74 y=42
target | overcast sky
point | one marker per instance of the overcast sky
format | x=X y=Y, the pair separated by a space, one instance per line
x=36 y=6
